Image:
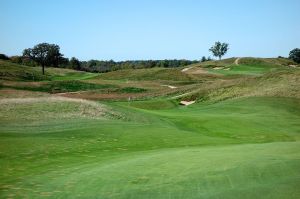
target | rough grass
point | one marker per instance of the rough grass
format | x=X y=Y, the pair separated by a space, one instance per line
x=12 y=93
x=153 y=104
x=147 y=74
x=132 y=90
x=279 y=84
x=42 y=109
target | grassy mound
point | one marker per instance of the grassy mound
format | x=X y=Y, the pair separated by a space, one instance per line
x=46 y=109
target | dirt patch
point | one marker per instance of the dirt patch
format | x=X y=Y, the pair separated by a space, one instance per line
x=236 y=62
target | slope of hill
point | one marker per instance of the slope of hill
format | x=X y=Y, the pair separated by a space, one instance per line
x=17 y=72
x=284 y=83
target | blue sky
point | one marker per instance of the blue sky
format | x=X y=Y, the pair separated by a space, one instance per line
x=151 y=29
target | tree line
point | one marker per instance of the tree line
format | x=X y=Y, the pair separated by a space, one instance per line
x=106 y=66
x=49 y=55
x=45 y=54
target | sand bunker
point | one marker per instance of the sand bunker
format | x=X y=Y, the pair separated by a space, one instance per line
x=186 y=103
x=172 y=87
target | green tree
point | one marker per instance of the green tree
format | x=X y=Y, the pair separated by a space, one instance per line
x=203 y=59
x=44 y=54
x=219 y=49
x=16 y=59
x=75 y=63
x=295 y=55
x=4 y=57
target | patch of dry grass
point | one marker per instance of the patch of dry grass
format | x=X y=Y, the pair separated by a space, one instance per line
x=35 y=109
x=12 y=93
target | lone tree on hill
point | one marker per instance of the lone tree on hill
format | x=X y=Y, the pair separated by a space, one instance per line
x=203 y=59
x=295 y=55
x=44 y=54
x=219 y=49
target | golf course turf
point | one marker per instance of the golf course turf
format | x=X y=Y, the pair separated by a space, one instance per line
x=240 y=140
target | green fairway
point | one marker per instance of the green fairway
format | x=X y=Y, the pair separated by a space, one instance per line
x=243 y=70
x=177 y=153
x=208 y=172
x=241 y=139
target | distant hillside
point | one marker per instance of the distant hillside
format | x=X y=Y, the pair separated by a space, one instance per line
x=247 y=61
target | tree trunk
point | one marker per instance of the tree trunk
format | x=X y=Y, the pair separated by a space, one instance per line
x=219 y=57
x=43 y=66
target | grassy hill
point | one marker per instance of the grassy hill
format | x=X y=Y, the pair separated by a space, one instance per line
x=240 y=139
x=245 y=66
x=17 y=72
x=147 y=74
